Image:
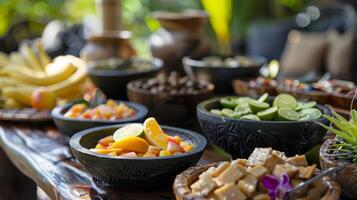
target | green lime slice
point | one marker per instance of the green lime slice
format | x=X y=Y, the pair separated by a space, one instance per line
x=135 y=129
x=268 y=114
x=285 y=114
x=263 y=98
x=307 y=105
x=310 y=114
x=242 y=109
x=285 y=101
x=257 y=106
x=250 y=117
x=216 y=112
x=304 y=118
x=242 y=100
x=299 y=106
x=228 y=102
x=228 y=112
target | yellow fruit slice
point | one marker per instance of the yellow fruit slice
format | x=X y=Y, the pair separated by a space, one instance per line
x=154 y=134
x=106 y=151
x=132 y=143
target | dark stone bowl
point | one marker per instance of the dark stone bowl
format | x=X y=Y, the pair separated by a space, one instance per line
x=134 y=172
x=221 y=77
x=113 y=82
x=240 y=137
x=69 y=126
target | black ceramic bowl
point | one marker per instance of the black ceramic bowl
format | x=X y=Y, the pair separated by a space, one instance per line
x=221 y=76
x=134 y=172
x=113 y=82
x=70 y=126
x=240 y=137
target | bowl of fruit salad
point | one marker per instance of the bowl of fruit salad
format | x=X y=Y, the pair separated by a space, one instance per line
x=266 y=175
x=239 y=124
x=137 y=155
x=74 y=117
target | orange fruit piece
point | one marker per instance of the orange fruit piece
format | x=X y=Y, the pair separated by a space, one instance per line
x=132 y=143
x=107 y=151
x=154 y=134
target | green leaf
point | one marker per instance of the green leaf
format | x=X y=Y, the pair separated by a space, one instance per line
x=347 y=128
x=339 y=133
x=354 y=117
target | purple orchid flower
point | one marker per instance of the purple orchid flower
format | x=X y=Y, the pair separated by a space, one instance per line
x=276 y=186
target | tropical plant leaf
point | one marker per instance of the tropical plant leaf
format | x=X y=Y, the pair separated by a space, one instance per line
x=346 y=128
x=339 y=133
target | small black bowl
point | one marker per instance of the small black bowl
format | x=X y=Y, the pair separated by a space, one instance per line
x=221 y=76
x=70 y=126
x=240 y=137
x=113 y=82
x=134 y=172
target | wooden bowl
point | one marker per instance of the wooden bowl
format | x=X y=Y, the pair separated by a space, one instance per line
x=241 y=137
x=168 y=108
x=134 y=172
x=221 y=76
x=244 y=89
x=342 y=101
x=113 y=82
x=318 y=96
x=184 y=180
x=347 y=177
x=70 y=126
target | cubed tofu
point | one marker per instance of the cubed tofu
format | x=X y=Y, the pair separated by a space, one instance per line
x=248 y=184
x=259 y=156
x=272 y=161
x=230 y=174
x=242 y=162
x=288 y=169
x=229 y=191
x=261 y=196
x=279 y=154
x=258 y=171
x=203 y=186
x=218 y=170
x=305 y=172
x=298 y=160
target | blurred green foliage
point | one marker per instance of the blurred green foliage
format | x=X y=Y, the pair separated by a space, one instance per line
x=136 y=13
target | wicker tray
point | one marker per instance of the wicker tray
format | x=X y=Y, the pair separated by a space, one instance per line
x=25 y=115
x=184 y=180
x=347 y=177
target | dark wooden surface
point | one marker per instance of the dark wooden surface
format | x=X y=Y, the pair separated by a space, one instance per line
x=42 y=153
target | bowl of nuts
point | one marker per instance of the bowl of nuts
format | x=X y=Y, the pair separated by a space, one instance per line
x=171 y=98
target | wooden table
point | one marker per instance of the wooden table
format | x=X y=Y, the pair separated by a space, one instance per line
x=42 y=153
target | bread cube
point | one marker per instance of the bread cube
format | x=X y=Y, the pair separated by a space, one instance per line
x=229 y=191
x=230 y=174
x=298 y=160
x=258 y=171
x=287 y=168
x=248 y=184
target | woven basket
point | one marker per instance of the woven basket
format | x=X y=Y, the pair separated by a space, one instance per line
x=184 y=180
x=347 y=177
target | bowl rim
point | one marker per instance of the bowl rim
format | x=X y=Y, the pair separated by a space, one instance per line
x=157 y=64
x=188 y=61
x=141 y=111
x=75 y=144
x=201 y=107
x=130 y=87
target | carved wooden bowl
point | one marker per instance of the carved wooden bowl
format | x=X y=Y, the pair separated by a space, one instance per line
x=184 y=180
x=134 y=172
x=240 y=137
x=347 y=177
